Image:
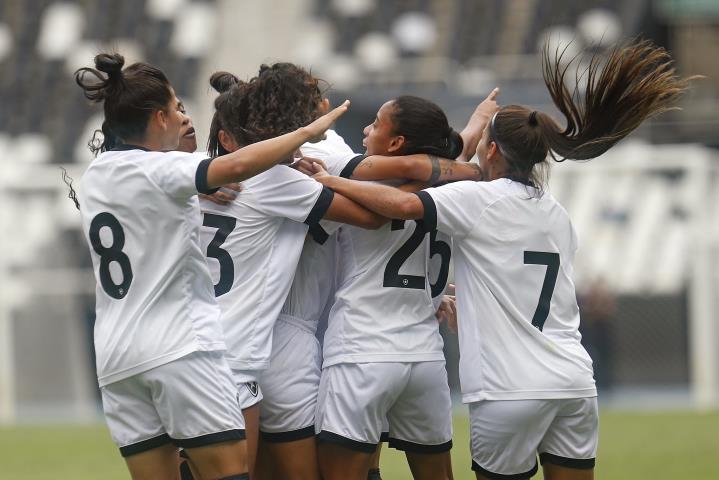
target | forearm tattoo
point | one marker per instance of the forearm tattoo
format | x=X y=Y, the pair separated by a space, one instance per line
x=478 y=170
x=436 y=171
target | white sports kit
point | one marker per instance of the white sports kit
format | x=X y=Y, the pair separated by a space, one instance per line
x=383 y=340
x=518 y=324
x=139 y=215
x=291 y=382
x=253 y=246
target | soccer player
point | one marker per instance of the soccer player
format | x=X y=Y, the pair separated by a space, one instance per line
x=524 y=373
x=159 y=343
x=382 y=349
x=254 y=243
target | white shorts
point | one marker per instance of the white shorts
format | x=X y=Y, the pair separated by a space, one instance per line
x=506 y=435
x=290 y=385
x=191 y=402
x=248 y=387
x=355 y=399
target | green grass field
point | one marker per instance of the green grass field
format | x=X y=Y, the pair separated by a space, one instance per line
x=633 y=446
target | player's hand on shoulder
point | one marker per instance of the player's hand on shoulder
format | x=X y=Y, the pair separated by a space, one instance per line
x=316 y=130
x=225 y=195
x=319 y=173
x=305 y=165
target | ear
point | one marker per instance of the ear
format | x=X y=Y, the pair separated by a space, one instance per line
x=160 y=116
x=492 y=152
x=396 y=144
x=324 y=106
x=227 y=142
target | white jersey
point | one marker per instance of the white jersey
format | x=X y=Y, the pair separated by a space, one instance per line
x=154 y=294
x=253 y=246
x=517 y=308
x=313 y=286
x=383 y=309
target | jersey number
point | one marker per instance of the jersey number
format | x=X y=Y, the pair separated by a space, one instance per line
x=392 y=277
x=110 y=254
x=551 y=260
x=224 y=226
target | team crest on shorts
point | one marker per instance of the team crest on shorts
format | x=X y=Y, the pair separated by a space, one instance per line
x=253 y=388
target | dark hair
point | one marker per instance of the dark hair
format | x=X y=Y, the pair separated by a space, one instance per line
x=129 y=97
x=280 y=99
x=424 y=127
x=634 y=82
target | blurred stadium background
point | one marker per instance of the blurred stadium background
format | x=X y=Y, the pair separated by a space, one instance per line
x=647 y=213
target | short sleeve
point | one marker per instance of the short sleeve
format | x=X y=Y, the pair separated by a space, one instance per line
x=333 y=151
x=453 y=208
x=179 y=174
x=285 y=192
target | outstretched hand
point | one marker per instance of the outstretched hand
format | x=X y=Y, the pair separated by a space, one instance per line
x=316 y=130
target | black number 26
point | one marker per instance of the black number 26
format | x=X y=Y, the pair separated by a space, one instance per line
x=110 y=254
x=392 y=277
x=551 y=260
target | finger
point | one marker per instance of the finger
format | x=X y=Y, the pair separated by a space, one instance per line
x=237 y=187
x=493 y=94
x=451 y=289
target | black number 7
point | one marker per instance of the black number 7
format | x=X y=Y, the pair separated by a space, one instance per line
x=551 y=260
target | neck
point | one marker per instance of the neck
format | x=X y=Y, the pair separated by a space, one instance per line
x=149 y=144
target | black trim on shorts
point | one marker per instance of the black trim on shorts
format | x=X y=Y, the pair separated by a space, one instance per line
x=384 y=437
x=364 y=447
x=351 y=166
x=406 y=446
x=321 y=206
x=430 y=210
x=145 y=445
x=578 y=463
x=318 y=233
x=291 y=436
x=201 y=177
x=210 y=438
x=499 y=476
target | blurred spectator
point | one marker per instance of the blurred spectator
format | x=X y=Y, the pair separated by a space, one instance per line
x=597 y=308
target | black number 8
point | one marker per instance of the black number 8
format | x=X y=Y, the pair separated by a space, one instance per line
x=110 y=254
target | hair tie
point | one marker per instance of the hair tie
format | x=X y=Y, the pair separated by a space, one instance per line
x=533 y=118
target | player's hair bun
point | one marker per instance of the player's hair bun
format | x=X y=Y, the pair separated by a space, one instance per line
x=455 y=144
x=111 y=64
x=223 y=81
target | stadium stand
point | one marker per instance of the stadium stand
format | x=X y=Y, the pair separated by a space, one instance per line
x=639 y=214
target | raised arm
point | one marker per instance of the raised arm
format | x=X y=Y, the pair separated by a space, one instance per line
x=258 y=157
x=472 y=132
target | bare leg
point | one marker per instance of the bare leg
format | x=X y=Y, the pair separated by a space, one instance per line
x=252 y=433
x=339 y=463
x=374 y=465
x=159 y=463
x=429 y=466
x=555 y=472
x=294 y=460
x=219 y=460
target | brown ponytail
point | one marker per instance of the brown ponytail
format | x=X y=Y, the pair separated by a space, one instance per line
x=633 y=83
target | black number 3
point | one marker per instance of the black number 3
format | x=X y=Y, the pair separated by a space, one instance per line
x=110 y=254
x=224 y=226
x=551 y=260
